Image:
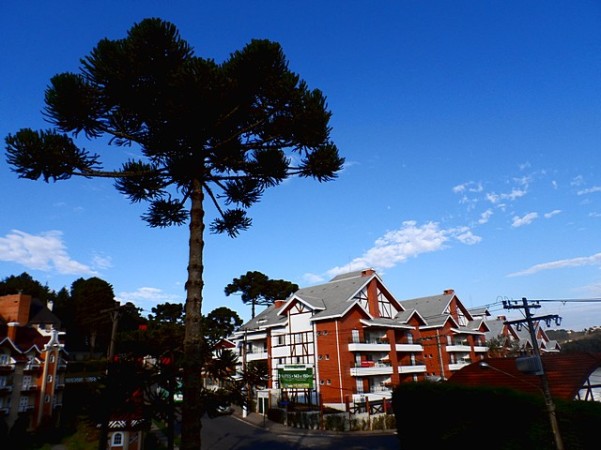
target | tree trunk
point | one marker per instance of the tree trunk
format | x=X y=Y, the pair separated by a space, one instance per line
x=191 y=408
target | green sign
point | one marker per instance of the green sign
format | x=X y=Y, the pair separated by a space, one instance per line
x=296 y=376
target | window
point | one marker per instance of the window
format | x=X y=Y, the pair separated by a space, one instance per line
x=49 y=379
x=4 y=360
x=386 y=309
x=117 y=439
x=2 y=382
x=47 y=399
x=26 y=381
x=52 y=358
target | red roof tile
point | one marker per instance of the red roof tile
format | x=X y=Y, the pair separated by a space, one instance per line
x=566 y=373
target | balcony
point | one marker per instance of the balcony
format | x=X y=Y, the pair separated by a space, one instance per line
x=256 y=356
x=459 y=347
x=25 y=408
x=7 y=367
x=367 y=368
x=412 y=368
x=481 y=349
x=459 y=365
x=409 y=348
x=369 y=345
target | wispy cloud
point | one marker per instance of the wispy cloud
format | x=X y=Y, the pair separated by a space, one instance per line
x=589 y=190
x=410 y=240
x=485 y=216
x=552 y=213
x=514 y=194
x=147 y=297
x=560 y=264
x=524 y=220
x=45 y=251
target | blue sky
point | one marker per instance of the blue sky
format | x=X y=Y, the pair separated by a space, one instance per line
x=471 y=132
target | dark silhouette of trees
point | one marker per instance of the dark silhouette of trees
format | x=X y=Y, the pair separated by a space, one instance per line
x=92 y=301
x=221 y=131
x=220 y=323
x=257 y=288
x=25 y=284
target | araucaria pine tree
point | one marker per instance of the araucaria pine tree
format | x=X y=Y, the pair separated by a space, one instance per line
x=224 y=132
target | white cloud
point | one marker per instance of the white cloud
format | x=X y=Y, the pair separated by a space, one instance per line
x=408 y=241
x=312 y=278
x=560 y=264
x=102 y=262
x=470 y=186
x=552 y=213
x=577 y=181
x=45 y=252
x=466 y=236
x=525 y=220
x=589 y=190
x=147 y=297
x=485 y=216
x=513 y=195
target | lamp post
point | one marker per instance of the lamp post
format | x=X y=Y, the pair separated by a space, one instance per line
x=550 y=406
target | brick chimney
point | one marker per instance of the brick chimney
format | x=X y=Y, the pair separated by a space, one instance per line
x=448 y=292
x=279 y=303
x=367 y=272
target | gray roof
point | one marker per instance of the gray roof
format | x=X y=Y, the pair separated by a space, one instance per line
x=267 y=318
x=335 y=297
x=431 y=308
x=495 y=328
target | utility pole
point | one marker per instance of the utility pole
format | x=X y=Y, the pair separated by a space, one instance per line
x=543 y=376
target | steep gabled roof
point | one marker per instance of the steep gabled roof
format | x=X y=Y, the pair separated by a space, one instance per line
x=40 y=314
x=265 y=319
x=336 y=297
x=431 y=308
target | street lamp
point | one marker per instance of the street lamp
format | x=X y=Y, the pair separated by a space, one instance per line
x=547 y=396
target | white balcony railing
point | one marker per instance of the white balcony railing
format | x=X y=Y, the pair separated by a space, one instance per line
x=458 y=348
x=368 y=368
x=414 y=368
x=409 y=348
x=256 y=356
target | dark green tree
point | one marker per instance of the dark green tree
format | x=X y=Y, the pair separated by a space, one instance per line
x=93 y=301
x=167 y=313
x=257 y=288
x=25 y=284
x=220 y=323
x=222 y=131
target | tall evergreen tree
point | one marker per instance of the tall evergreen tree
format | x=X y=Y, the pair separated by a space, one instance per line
x=258 y=289
x=93 y=301
x=222 y=131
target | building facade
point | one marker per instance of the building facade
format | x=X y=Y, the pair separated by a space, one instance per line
x=350 y=340
x=32 y=363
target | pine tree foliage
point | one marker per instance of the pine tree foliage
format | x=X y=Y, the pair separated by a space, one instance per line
x=224 y=132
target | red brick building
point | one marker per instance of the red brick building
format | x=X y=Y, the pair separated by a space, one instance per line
x=351 y=339
x=32 y=362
